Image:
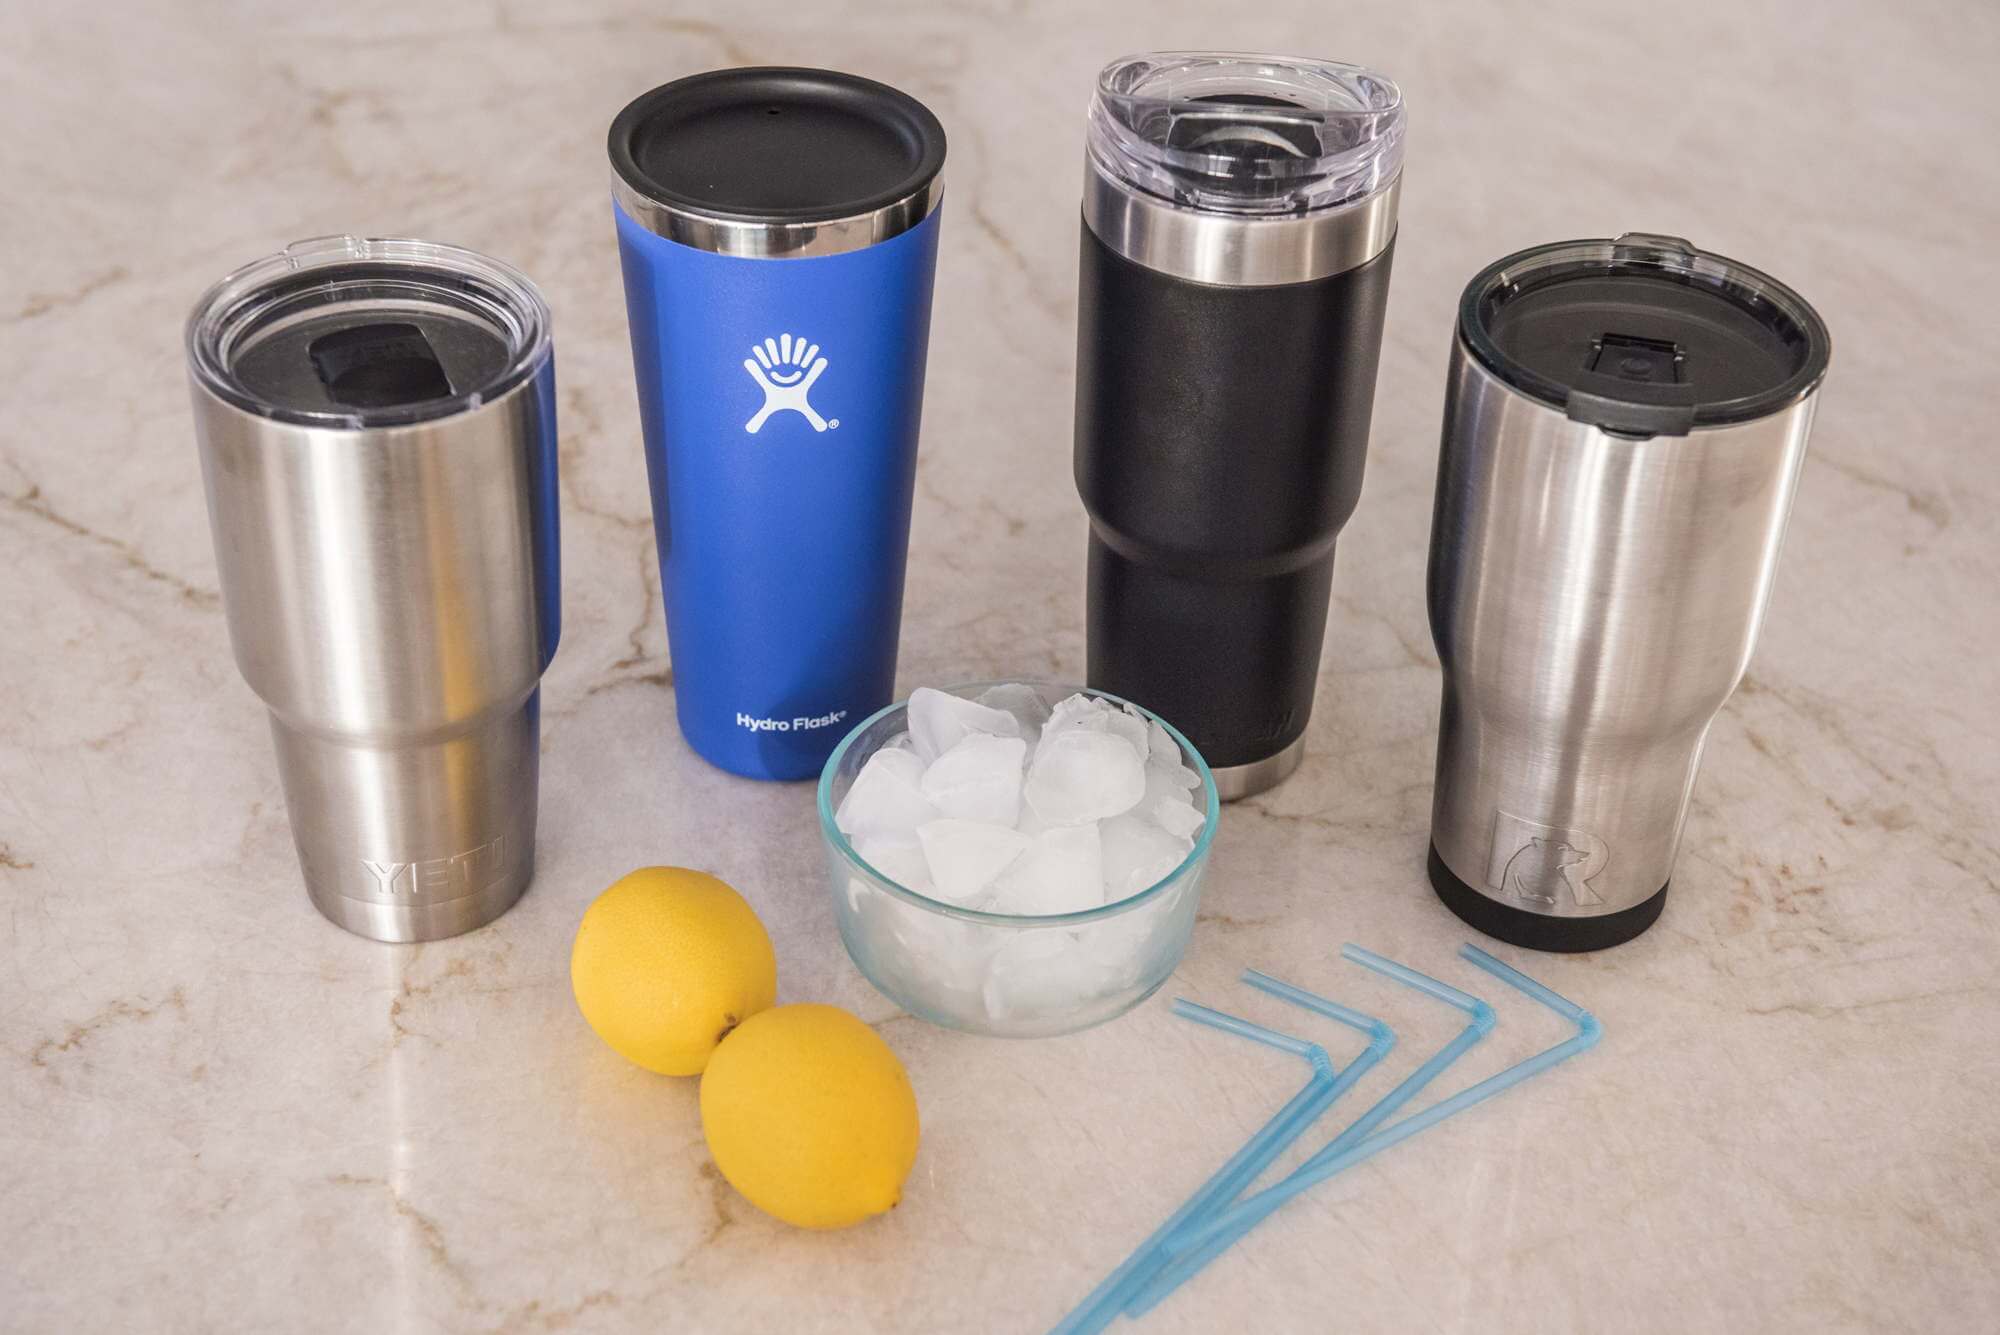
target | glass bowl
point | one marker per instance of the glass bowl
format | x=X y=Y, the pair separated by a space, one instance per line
x=997 y=973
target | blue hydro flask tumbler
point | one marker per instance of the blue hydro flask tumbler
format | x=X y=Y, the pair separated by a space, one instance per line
x=779 y=234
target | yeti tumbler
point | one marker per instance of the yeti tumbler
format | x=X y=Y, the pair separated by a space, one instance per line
x=778 y=229
x=377 y=421
x=1239 y=214
x=1623 y=432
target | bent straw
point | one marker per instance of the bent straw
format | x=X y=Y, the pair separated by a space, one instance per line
x=1101 y=1306
x=1178 y=1271
x=1247 y=1213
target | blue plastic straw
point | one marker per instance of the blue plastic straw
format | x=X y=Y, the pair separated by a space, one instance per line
x=1247 y=1213
x=1180 y=1269
x=1102 y=1305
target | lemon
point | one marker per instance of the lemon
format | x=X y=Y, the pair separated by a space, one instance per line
x=811 y=1116
x=666 y=963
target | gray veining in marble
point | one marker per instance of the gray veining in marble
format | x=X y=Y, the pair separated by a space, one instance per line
x=221 y=1113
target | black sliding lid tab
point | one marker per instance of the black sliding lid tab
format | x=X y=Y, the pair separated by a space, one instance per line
x=378 y=365
x=1644 y=335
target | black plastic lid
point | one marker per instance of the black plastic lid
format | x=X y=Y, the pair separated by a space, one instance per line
x=776 y=145
x=1644 y=335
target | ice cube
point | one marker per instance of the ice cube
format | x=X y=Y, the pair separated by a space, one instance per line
x=1072 y=711
x=1081 y=775
x=1126 y=945
x=886 y=797
x=965 y=856
x=939 y=721
x=1023 y=702
x=1040 y=974
x=899 y=857
x=1090 y=713
x=1062 y=872
x=1176 y=816
x=1168 y=805
x=1137 y=853
x=934 y=956
x=1129 y=723
x=1164 y=754
x=978 y=779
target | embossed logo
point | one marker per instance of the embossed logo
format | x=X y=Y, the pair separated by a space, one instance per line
x=440 y=878
x=1543 y=864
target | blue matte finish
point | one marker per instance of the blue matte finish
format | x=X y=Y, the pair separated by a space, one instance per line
x=781 y=548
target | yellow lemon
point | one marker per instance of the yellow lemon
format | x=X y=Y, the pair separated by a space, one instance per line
x=809 y=1114
x=666 y=963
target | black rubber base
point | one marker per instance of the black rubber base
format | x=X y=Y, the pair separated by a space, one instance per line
x=1542 y=931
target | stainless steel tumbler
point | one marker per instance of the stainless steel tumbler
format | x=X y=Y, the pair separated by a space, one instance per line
x=377 y=430
x=1239 y=218
x=1623 y=433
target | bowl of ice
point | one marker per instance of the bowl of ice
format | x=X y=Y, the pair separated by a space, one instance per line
x=1018 y=858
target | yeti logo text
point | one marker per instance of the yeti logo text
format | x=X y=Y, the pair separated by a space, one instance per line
x=1544 y=865
x=785 y=369
x=440 y=878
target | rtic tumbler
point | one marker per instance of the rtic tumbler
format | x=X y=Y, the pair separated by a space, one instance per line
x=1623 y=433
x=1239 y=214
x=378 y=440
x=779 y=233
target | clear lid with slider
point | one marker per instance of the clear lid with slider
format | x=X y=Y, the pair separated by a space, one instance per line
x=1246 y=135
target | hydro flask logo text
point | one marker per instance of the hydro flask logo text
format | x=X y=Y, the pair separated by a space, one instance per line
x=785 y=368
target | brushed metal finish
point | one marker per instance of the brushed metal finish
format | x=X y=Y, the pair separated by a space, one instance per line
x=1239 y=781
x=1235 y=249
x=1594 y=599
x=392 y=597
x=755 y=239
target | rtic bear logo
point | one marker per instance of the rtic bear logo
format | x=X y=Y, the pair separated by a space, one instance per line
x=1538 y=872
x=785 y=369
x=1543 y=865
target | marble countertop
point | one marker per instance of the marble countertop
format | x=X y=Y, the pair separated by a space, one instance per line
x=223 y=1113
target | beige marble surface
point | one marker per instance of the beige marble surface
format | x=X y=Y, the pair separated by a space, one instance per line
x=221 y=1113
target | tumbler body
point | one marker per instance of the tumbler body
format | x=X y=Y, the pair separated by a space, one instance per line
x=1595 y=592
x=778 y=231
x=782 y=548
x=389 y=567
x=1221 y=433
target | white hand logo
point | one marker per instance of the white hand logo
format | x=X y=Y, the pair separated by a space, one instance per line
x=785 y=369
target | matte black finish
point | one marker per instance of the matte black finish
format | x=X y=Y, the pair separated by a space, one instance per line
x=1542 y=931
x=777 y=144
x=1220 y=437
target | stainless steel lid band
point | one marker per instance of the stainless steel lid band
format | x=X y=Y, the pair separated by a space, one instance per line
x=1239 y=250
x=777 y=240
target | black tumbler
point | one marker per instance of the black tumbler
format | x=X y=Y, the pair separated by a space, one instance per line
x=1239 y=216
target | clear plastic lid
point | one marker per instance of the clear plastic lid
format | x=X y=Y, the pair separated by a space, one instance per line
x=351 y=332
x=1246 y=135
